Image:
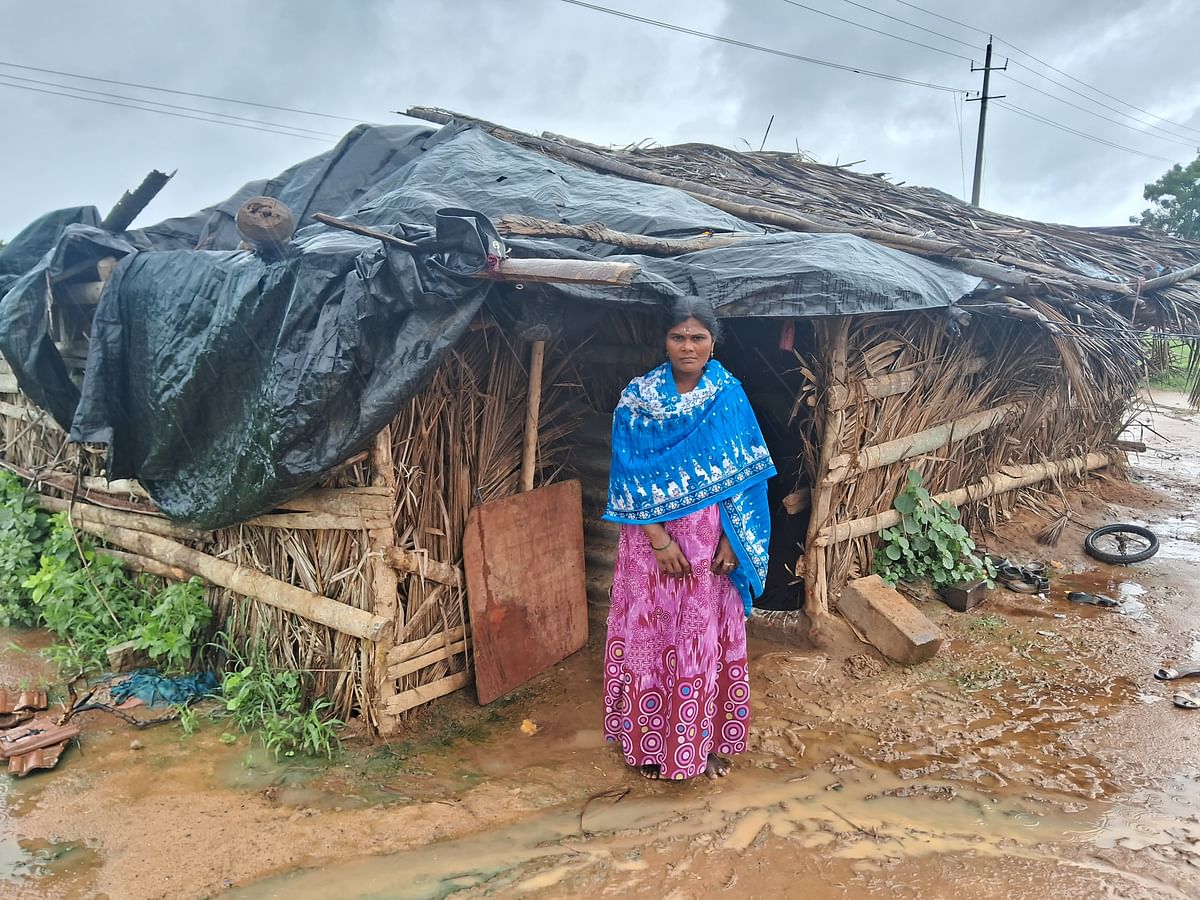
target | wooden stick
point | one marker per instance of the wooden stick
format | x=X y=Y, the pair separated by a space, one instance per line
x=65 y=482
x=120 y=486
x=405 y=562
x=417 y=663
x=881 y=386
x=27 y=414
x=406 y=700
x=320 y=521
x=344 y=501
x=533 y=410
x=1007 y=479
x=131 y=204
x=1161 y=281
x=525 y=271
x=409 y=649
x=258 y=586
x=528 y=226
x=136 y=563
x=849 y=465
x=81 y=513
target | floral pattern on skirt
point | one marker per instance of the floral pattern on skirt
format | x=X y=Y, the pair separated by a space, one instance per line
x=676 y=686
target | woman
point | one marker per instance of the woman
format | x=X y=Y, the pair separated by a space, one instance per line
x=688 y=485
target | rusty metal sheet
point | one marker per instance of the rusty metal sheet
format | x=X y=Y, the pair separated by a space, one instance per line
x=35 y=735
x=18 y=701
x=526 y=587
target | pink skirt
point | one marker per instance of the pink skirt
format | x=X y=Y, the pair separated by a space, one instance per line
x=675 y=681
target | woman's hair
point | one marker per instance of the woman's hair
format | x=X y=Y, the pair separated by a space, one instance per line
x=692 y=307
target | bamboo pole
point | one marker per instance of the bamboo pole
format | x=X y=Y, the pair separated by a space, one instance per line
x=816 y=576
x=849 y=465
x=533 y=409
x=882 y=386
x=81 y=513
x=1010 y=478
x=405 y=562
x=1153 y=284
x=258 y=586
x=321 y=521
x=409 y=649
x=385 y=583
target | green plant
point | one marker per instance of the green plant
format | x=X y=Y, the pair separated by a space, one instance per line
x=189 y=720
x=91 y=603
x=23 y=528
x=270 y=701
x=928 y=543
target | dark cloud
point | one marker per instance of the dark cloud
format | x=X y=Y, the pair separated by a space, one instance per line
x=542 y=64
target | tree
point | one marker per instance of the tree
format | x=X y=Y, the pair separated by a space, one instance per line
x=1176 y=199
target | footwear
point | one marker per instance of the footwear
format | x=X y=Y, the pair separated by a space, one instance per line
x=1092 y=599
x=1174 y=674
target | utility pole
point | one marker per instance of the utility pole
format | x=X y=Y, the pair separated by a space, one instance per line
x=983 y=99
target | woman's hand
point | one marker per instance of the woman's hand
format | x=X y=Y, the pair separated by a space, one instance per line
x=667 y=553
x=724 y=561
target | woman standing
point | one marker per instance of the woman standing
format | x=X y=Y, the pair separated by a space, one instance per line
x=688 y=485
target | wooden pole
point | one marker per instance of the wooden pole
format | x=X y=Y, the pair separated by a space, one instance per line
x=532 y=413
x=528 y=226
x=131 y=204
x=385 y=583
x=1153 y=284
x=135 y=563
x=1010 y=478
x=85 y=513
x=254 y=584
x=406 y=562
x=816 y=575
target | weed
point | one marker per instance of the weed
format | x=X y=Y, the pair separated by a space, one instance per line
x=271 y=701
x=979 y=678
x=989 y=624
x=23 y=528
x=189 y=721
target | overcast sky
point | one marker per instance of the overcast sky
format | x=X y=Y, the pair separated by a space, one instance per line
x=544 y=64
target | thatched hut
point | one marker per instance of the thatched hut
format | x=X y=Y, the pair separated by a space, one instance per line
x=995 y=355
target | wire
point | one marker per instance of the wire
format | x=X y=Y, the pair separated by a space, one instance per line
x=1083 y=134
x=161 y=112
x=911 y=24
x=68 y=87
x=151 y=87
x=758 y=47
x=897 y=37
x=1042 y=62
x=1172 y=139
x=962 y=154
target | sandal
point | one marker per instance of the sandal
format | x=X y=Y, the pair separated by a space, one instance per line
x=1092 y=599
x=1175 y=674
x=1186 y=701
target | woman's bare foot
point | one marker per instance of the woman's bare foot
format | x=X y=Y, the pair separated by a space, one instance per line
x=650 y=771
x=718 y=766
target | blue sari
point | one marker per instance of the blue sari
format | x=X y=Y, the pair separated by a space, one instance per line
x=674 y=454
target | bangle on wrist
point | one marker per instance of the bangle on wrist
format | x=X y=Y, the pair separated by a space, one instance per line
x=670 y=541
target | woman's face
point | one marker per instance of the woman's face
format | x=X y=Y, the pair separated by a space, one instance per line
x=689 y=347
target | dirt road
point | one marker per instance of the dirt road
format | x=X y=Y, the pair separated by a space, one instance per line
x=1035 y=756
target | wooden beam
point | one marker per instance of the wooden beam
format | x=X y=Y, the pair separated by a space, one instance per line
x=406 y=562
x=533 y=411
x=385 y=584
x=81 y=513
x=242 y=580
x=133 y=202
x=849 y=465
x=406 y=700
x=1162 y=281
x=442 y=654
x=318 y=521
x=344 y=501
x=1010 y=478
x=135 y=563
x=417 y=647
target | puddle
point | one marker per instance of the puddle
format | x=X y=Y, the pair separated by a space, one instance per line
x=45 y=863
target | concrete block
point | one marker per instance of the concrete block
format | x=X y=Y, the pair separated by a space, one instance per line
x=895 y=627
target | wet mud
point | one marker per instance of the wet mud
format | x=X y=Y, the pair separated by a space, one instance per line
x=1034 y=756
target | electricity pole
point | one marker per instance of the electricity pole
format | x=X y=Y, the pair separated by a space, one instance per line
x=983 y=99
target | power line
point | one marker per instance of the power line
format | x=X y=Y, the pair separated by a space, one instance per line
x=1173 y=139
x=761 y=49
x=1042 y=62
x=151 y=87
x=912 y=24
x=897 y=37
x=161 y=112
x=1083 y=134
x=68 y=87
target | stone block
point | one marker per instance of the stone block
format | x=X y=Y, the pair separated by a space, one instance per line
x=892 y=625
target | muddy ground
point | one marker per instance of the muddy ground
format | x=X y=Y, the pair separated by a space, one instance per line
x=1034 y=756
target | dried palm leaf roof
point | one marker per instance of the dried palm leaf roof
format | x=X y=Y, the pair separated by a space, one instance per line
x=1131 y=272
